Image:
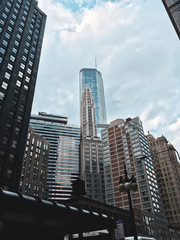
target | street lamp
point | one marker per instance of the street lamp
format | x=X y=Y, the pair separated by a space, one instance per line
x=126 y=185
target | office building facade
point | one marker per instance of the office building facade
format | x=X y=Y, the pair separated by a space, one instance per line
x=124 y=142
x=92 y=171
x=34 y=166
x=22 y=26
x=173 y=9
x=93 y=79
x=64 y=153
x=167 y=169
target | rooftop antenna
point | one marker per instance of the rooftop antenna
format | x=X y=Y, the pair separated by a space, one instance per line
x=95 y=64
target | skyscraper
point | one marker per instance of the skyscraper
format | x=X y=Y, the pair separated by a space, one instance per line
x=167 y=169
x=124 y=142
x=64 y=152
x=92 y=171
x=93 y=79
x=173 y=7
x=22 y=26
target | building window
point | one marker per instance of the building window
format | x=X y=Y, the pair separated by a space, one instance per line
x=26 y=50
x=22 y=66
x=18 y=36
x=14 y=144
x=16 y=43
x=9 y=28
x=18 y=83
x=15 y=10
x=12 y=58
x=29 y=70
x=14 y=50
x=4 y=15
x=27 y=44
x=14 y=16
x=26 y=7
x=27 y=79
x=23 y=18
x=7 y=75
x=2 y=95
x=33 y=49
x=20 y=30
x=24 y=58
x=22 y=24
x=12 y=22
x=9 y=4
x=7 y=35
x=2 y=50
x=20 y=74
x=1 y=22
x=30 y=31
x=5 y=43
x=30 y=63
x=9 y=173
x=6 y=9
x=32 y=56
x=25 y=87
x=4 y=85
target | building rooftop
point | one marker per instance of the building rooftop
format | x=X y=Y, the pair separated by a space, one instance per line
x=50 y=117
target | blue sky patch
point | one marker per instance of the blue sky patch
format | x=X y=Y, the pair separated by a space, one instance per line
x=76 y=5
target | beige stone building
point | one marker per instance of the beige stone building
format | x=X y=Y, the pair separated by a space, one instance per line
x=91 y=166
x=167 y=169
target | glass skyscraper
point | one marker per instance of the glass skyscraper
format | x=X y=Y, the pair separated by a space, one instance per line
x=93 y=79
x=22 y=26
x=64 y=153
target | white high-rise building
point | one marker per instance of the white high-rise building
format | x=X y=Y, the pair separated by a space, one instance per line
x=64 y=153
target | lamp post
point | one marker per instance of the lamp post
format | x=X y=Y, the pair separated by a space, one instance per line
x=128 y=184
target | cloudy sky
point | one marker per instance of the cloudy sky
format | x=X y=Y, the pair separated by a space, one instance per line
x=137 y=51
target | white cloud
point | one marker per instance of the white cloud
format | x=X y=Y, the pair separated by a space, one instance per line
x=137 y=51
x=175 y=126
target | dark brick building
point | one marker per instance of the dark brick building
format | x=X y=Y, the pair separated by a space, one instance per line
x=34 y=167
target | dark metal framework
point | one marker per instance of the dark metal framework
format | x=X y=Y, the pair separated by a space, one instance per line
x=23 y=216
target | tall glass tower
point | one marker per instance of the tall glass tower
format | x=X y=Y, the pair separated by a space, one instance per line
x=93 y=79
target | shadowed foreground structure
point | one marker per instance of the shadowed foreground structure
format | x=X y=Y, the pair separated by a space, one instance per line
x=25 y=217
